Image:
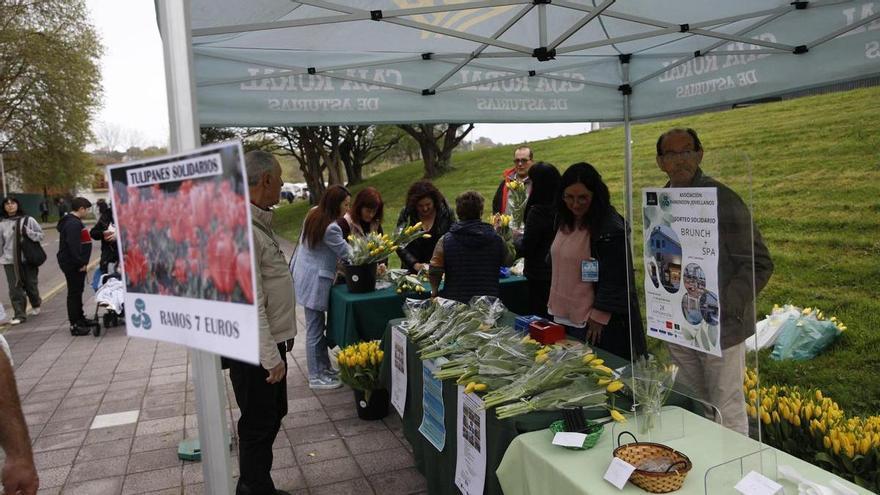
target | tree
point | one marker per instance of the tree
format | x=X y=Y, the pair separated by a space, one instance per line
x=362 y=145
x=436 y=142
x=49 y=88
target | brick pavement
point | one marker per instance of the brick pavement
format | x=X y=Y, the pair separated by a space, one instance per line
x=141 y=393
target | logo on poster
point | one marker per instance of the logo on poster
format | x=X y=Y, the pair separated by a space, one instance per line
x=665 y=202
x=141 y=318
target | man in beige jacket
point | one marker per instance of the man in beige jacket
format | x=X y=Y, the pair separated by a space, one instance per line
x=261 y=391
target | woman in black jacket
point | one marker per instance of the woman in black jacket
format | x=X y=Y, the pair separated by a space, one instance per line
x=105 y=231
x=538 y=234
x=425 y=204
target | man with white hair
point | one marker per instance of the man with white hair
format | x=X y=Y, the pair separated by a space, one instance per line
x=261 y=391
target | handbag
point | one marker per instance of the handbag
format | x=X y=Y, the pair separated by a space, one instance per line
x=33 y=251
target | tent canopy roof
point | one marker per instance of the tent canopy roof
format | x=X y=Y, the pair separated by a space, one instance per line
x=277 y=62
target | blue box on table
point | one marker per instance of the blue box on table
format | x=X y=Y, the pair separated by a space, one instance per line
x=521 y=323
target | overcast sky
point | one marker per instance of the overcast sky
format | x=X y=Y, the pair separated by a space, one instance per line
x=133 y=76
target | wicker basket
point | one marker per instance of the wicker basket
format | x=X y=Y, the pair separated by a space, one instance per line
x=654 y=482
x=589 y=441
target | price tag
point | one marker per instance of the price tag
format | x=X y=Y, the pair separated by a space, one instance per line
x=618 y=472
x=569 y=439
x=756 y=483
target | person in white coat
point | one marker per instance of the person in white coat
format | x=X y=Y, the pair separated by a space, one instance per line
x=314 y=270
x=21 y=277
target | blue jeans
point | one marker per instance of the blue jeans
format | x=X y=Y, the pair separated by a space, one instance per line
x=317 y=354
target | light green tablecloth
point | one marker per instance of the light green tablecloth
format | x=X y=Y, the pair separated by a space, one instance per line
x=533 y=466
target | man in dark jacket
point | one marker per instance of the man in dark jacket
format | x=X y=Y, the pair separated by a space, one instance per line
x=744 y=267
x=470 y=254
x=74 y=252
x=105 y=232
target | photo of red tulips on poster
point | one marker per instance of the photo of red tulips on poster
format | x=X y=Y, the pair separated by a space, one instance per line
x=184 y=227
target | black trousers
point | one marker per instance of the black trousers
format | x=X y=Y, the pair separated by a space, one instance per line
x=76 y=282
x=539 y=294
x=262 y=405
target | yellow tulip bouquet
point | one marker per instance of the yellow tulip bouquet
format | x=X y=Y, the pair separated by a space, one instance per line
x=516 y=189
x=373 y=247
x=359 y=366
x=808 y=425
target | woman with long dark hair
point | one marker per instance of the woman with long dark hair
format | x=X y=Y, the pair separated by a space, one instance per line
x=538 y=234
x=21 y=277
x=321 y=245
x=592 y=289
x=425 y=204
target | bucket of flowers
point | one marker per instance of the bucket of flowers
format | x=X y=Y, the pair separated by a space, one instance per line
x=367 y=250
x=359 y=369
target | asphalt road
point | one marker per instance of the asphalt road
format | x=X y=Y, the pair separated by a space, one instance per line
x=51 y=279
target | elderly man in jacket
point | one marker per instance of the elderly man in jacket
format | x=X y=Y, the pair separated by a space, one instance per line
x=261 y=391
x=744 y=267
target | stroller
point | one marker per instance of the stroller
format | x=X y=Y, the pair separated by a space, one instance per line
x=109 y=296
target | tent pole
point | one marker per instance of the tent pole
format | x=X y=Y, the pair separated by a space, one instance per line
x=208 y=381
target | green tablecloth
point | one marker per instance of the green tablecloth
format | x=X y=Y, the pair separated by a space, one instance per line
x=533 y=466
x=439 y=467
x=356 y=317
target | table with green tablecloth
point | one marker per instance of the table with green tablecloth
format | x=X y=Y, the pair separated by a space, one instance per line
x=533 y=466
x=439 y=467
x=356 y=317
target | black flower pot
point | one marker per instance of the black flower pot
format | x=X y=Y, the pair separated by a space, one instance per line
x=376 y=407
x=360 y=278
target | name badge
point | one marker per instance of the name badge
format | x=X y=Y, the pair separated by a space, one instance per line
x=590 y=271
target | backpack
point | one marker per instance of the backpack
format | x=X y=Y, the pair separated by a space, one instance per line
x=33 y=251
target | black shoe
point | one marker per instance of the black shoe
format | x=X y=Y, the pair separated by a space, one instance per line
x=79 y=331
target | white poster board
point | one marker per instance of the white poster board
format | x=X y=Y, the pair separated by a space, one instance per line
x=470 y=463
x=398 y=369
x=681 y=266
x=185 y=245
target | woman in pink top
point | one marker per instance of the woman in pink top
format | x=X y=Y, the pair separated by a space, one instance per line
x=592 y=291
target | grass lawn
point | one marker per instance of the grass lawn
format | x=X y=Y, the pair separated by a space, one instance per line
x=811 y=167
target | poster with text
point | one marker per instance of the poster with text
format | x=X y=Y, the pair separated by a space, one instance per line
x=398 y=369
x=433 y=426
x=470 y=463
x=184 y=238
x=681 y=266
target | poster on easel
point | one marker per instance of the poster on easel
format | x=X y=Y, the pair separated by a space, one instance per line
x=398 y=369
x=186 y=249
x=681 y=266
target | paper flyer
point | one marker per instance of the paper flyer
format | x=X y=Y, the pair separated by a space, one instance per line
x=398 y=369
x=681 y=266
x=185 y=245
x=470 y=463
x=433 y=427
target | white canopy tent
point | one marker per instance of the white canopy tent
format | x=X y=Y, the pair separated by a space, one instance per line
x=310 y=62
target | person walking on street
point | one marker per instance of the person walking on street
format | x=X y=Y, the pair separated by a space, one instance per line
x=44 y=210
x=261 y=390
x=74 y=252
x=21 y=277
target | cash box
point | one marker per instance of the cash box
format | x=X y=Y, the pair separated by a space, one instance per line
x=545 y=332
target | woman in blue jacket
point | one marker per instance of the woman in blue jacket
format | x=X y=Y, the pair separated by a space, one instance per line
x=321 y=244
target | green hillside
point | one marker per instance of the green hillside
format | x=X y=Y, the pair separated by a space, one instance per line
x=812 y=169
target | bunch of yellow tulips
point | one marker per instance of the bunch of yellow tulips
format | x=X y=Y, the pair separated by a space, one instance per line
x=359 y=365
x=813 y=427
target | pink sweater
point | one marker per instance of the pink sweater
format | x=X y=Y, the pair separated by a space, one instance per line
x=570 y=298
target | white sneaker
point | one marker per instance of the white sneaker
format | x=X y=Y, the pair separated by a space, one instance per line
x=36 y=311
x=14 y=321
x=324 y=383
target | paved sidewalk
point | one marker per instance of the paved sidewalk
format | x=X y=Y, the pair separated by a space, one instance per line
x=106 y=414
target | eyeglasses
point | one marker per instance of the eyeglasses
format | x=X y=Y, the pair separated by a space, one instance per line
x=576 y=199
x=671 y=155
x=521 y=160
